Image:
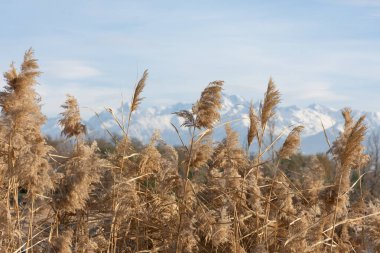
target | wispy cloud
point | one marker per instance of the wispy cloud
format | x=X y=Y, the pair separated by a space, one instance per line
x=70 y=70
x=317 y=91
x=90 y=98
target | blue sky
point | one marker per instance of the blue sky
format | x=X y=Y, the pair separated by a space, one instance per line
x=317 y=51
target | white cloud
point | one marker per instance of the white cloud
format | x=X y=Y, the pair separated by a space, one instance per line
x=317 y=91
x=69 y=70
x=90 y=98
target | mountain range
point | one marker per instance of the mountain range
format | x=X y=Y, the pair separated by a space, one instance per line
x=145 y=121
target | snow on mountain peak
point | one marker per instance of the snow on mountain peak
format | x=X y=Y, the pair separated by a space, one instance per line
x=234 y=109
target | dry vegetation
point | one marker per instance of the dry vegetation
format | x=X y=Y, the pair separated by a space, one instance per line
x=205 y=196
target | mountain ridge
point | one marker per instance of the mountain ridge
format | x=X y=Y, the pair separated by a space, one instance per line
x=146 y=120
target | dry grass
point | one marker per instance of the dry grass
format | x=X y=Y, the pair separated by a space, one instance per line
x=209 y=197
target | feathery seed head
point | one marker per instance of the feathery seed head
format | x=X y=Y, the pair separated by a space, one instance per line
x=136 y=99
x=208 y=106
x=202 y=151
x=71 y=121
x=348 y=147
x=253 y=125
x=291 y=143
x=271 y=100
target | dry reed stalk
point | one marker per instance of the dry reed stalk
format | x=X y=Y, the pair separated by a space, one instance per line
x=349 y=152
x=289 y=147
x=27 y=151
x=121 y=149
x=207 y=113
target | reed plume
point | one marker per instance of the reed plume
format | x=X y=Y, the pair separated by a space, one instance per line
x=71 y=120
x=136 y=98
x=349 y=154
x=135 y=102
x=291 y=144
x=80 y=172
x=207 y=108
x=202 y=151
x=27 y=151
x=348 y=149
x=271 y=100
x=21 y=112
x=253 y=130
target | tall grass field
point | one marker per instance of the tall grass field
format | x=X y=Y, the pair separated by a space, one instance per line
x=76 y=195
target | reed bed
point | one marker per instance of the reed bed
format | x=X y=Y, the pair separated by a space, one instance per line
x=205 y=196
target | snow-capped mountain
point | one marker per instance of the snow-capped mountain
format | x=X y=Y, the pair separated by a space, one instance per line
x=145 y=121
